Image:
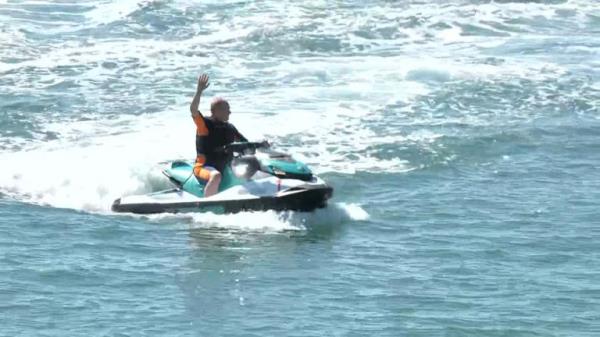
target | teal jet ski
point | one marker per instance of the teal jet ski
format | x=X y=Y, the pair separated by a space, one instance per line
x=255 y=179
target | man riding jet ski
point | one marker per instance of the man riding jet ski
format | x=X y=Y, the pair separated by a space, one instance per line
x=228 y=175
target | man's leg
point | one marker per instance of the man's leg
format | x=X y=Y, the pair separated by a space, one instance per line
x=212 y=186
x=211 y=176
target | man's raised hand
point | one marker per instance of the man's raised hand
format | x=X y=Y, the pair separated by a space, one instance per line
x=202 y=83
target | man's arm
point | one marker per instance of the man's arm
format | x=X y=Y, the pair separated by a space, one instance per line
x=202 y=84
x=239 y=137
x=201 y=130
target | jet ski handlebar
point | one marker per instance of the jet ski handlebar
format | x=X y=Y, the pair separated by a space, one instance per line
x=241 y=147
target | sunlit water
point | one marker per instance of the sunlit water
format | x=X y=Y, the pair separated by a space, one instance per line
x=461 y=138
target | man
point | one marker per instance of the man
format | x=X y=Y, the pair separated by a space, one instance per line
x=212 y=133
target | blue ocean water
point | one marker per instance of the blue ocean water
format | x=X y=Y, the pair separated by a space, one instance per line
x=461 y=138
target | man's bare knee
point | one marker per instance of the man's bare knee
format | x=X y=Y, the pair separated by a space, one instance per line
x=212 y=186
x=215 y=175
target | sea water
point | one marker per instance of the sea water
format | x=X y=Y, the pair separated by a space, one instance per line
x=461 y=137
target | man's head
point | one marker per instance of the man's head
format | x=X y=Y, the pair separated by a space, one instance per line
x=219 y=108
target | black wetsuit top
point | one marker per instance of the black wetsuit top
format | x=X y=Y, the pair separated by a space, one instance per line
x=211 y=136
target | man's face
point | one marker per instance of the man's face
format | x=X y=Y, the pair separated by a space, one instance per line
x=222 y=112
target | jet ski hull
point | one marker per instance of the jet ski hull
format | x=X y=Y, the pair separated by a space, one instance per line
x=305 y=199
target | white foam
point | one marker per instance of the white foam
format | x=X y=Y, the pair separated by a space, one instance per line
x=354 y=211
x=92 y=163
x=110 y=11
x=269 y=221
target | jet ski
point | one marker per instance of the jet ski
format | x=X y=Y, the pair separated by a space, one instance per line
x=255 y=179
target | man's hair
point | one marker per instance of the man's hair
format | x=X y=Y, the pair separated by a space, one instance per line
x=218 y=102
